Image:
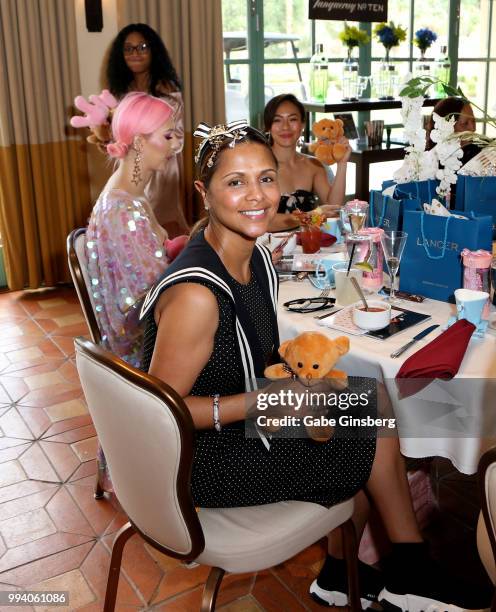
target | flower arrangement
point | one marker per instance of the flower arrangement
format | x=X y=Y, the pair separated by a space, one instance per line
x=314 y=218
x=441 y=162
x=424 y=39
x=419 y=164
x=448 y=151
x=390 y=35
x=352 y=36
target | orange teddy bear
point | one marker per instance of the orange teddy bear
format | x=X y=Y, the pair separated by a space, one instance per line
x=311 y=358
x=327 y=149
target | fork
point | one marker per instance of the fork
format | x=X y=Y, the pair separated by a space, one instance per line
x=323 y=294
x=328 y=314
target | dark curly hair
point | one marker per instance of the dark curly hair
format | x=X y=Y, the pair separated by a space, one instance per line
x=120 y=77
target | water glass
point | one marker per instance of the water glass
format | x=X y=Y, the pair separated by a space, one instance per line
x=345 y=291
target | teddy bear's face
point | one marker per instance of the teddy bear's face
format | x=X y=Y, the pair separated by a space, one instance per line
x=312 y=355
x=328 y=128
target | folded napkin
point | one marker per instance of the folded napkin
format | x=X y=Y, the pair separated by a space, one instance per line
x=436 y=208
x=326 y=240
x=441 y=358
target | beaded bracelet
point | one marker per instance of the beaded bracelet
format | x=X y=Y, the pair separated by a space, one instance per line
x=217 y=424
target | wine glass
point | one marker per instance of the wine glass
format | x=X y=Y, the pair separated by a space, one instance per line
x=393 y=243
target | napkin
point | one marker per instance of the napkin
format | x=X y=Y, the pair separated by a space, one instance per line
x=441 y=358
x=326 y=240
x=436 y=208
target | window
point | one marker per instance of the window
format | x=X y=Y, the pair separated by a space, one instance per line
x=268 y=45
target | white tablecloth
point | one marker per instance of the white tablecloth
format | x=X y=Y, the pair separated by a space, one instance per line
x=453 y=419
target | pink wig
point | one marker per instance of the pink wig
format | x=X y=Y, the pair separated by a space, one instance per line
x=137 y=113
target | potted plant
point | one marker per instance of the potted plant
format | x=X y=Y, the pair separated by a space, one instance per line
x=389 y=35
x=352 y=37
x=424 y=39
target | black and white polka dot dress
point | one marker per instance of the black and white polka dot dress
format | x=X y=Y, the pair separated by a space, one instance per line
x=231 y=469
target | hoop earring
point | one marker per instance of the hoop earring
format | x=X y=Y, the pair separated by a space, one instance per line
x=137 y=178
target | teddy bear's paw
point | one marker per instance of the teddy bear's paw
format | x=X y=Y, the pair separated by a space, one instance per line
x=320 y=433
x=276 y=371
x=337 y=379
x=339 y=151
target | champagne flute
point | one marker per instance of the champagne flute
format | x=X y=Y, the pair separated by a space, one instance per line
x=393 y=243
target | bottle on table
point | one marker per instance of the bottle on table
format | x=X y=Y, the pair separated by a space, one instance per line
x=319 y=74
x=476 y=273
x=442 y=69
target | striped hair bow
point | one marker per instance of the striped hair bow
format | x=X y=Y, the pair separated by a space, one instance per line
x=215 y=137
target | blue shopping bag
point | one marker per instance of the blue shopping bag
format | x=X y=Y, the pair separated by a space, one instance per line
x=423 y=191
x=477 y=194
x=386 y=211
x=431 y=264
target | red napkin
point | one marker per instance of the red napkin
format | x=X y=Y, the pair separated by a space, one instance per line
x=441 y=358
x=326 y=240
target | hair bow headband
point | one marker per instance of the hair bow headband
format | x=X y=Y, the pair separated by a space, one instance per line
x=216 y=136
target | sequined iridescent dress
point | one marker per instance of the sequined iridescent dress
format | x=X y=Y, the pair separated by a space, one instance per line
x=165 y=190
x=126 y=255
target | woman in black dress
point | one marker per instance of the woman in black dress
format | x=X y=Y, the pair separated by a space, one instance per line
x=303 y=179
x=211 y=329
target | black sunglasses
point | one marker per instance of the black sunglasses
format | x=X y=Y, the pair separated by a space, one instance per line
x=309 y=304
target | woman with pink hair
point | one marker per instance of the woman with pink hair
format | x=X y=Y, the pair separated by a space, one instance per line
x=125 y=245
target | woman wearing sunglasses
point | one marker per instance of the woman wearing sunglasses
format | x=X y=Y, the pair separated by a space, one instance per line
x=139 y=61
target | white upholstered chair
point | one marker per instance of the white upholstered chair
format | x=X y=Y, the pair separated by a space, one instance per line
x=76 y=256
x=486 y=528
x=147 y=434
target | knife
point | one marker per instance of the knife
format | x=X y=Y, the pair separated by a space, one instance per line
x=419 y=336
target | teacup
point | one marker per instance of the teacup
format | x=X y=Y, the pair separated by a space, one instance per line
x=324 y=272
x=376 y=317
x=331 y=226
x=470 y=305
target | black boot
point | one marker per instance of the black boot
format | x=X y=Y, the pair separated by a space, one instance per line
x=331 y=586
x=416 y=583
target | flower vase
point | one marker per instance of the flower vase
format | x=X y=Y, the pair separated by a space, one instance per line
x=422 y=67
x=387 y=80
x=349 y=81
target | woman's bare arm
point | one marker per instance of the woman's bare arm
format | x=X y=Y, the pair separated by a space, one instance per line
x=332 y=194
x=187 y=317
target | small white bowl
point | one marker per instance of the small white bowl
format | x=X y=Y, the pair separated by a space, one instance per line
x=372 y=320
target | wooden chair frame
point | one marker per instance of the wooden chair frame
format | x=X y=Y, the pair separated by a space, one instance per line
x=89 y=314
x=487 y=459
x=183 y=492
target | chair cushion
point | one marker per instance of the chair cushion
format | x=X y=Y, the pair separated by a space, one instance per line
x=253 y=538
x=485 y=551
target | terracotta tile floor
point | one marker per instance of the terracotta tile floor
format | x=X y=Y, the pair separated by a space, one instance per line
x=54 y=535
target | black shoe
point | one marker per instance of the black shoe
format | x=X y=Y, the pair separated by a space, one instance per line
x=419 y=584
x=331 y=586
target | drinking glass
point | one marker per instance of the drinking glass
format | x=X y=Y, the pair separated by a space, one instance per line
x=345 y=291
x=393 y=243
x=311 y=237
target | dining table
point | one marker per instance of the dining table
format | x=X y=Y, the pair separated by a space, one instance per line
x=455 y=419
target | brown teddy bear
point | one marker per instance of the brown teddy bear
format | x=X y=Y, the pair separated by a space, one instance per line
x=327 y=149
x=311 y=357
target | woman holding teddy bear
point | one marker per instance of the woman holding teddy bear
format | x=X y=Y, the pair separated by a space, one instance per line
x=302 y=178
x=223 y=289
